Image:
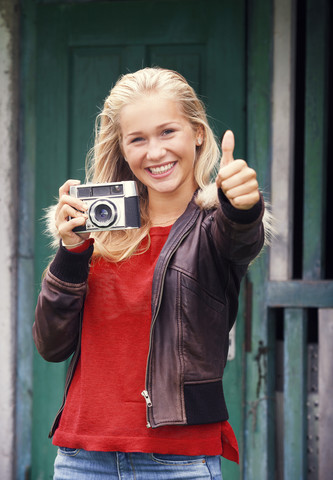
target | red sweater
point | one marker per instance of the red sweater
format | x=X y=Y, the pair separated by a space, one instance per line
x=105 y=410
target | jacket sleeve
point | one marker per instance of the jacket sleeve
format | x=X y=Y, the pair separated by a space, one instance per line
x=60 y=304
x=238 y=233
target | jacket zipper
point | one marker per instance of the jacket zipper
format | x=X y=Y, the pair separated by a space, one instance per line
x=146 y=396
x=145 y=393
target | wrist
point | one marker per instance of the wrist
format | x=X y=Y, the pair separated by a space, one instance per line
x=73 y=245
x=238 y=215
x=72 y=265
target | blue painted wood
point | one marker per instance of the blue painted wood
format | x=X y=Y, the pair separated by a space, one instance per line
x=307 y=294
x=317 y=15
x=295 y=419
x=258 y=461
x=326 y=393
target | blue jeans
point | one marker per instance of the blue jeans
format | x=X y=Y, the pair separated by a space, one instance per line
x=71 y=464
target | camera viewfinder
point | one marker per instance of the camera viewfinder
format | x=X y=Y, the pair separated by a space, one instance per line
x=101 y=191
x=117 y=190
x=83 y=192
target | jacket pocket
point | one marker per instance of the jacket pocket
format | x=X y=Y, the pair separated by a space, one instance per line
x=204 y=332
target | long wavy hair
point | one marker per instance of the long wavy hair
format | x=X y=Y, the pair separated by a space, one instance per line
x=106 y=163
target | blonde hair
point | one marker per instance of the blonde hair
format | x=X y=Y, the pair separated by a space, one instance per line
x=105 y=162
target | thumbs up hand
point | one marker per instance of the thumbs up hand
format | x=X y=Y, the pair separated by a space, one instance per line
x=236 y=179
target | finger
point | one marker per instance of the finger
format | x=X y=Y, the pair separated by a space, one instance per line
x=235 y=174
x=69 y=218
x=225 y=176
x=73 y=202
x=247 y=201
x=67 y=211
x=65 y=230
x=228 y=146
x=244 y=189
x=64 y=189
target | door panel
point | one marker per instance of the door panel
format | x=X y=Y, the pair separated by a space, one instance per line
x=92 y=71
x=82 y=50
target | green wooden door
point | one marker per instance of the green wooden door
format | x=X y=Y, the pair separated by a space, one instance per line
x=81 y=51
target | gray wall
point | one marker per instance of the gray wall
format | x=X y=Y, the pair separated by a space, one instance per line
x=9 y=27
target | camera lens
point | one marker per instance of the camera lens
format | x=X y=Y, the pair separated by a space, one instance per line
x=103 y=213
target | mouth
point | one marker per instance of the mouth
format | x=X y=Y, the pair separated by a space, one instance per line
x=161 y=170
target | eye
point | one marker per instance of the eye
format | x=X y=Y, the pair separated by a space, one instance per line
x=167 y=131
x=136 y=140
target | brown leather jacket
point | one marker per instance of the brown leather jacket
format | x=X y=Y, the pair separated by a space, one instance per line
x=194 y=305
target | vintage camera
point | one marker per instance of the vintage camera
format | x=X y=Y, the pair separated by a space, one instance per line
x=111 y=206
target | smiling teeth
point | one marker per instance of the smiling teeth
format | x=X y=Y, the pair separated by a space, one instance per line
x=163 y=169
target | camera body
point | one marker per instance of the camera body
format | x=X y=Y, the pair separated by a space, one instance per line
x=111 y=206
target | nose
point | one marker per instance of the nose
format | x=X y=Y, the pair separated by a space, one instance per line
x=155 y=150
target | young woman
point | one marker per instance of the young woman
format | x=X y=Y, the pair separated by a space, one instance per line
x=147 y=312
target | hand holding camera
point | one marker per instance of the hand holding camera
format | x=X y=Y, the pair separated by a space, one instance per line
x=70 y=213
x=95 y=207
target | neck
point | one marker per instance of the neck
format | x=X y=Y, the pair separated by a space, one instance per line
x=165 y=209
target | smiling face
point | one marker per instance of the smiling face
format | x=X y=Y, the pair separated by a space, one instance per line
x=159 y=145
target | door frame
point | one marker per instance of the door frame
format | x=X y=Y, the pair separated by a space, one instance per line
x=259 y=36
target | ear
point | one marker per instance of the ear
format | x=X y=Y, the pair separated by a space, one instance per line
x=199 y=136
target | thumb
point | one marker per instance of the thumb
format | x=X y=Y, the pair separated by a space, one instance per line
x=228 y=145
